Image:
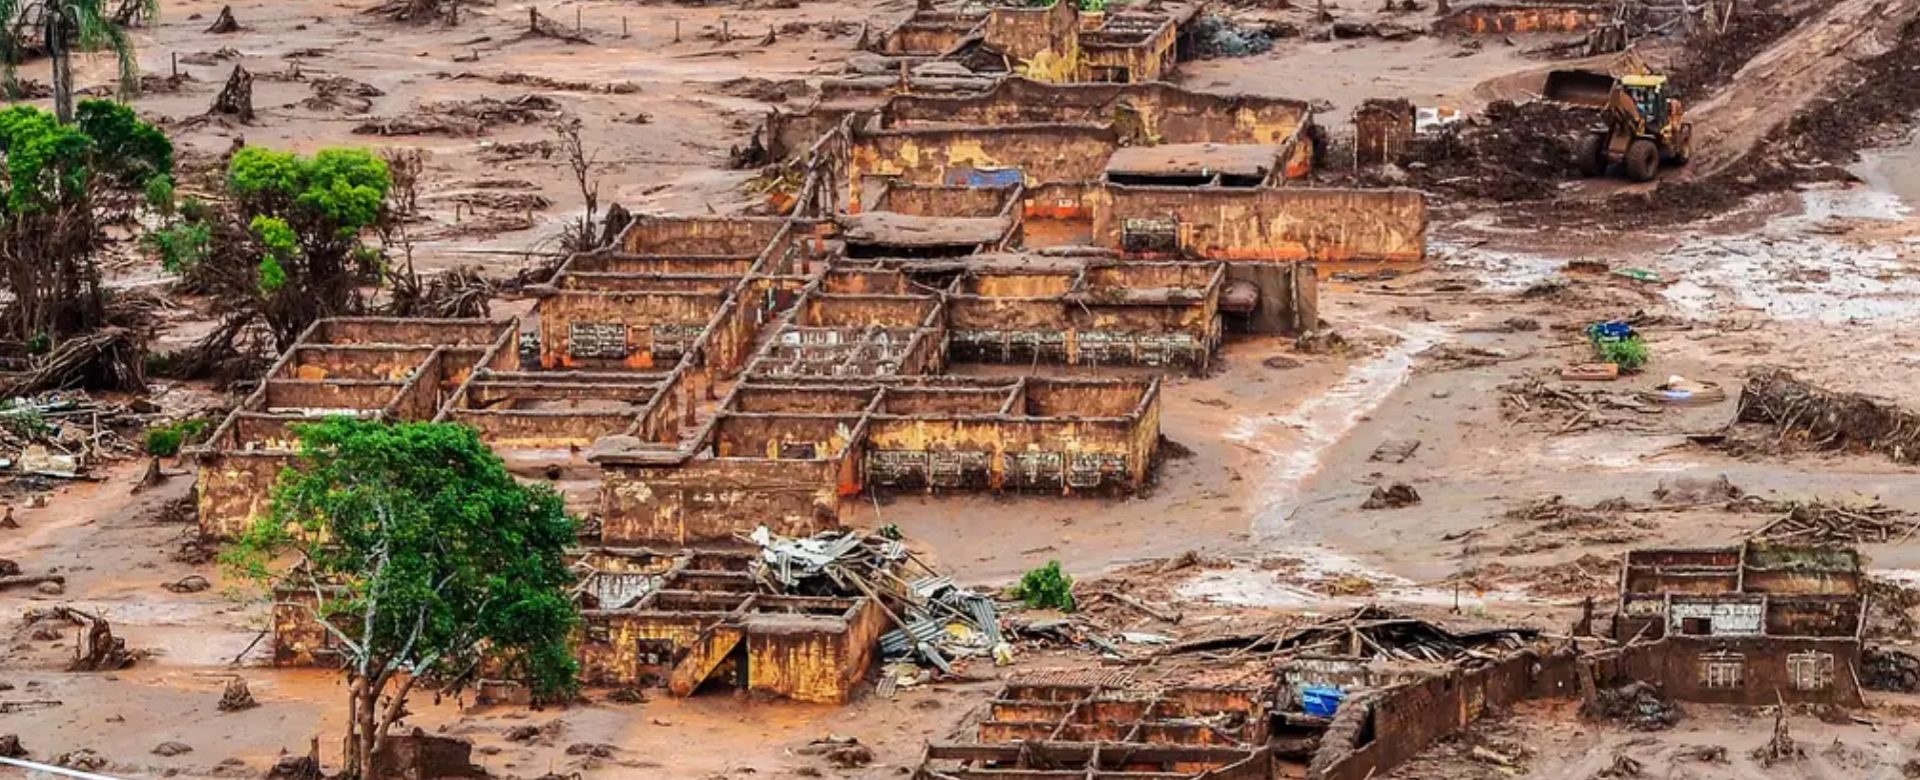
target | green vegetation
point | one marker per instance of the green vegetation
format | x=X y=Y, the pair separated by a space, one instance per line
x=60 y=179
x=61 y=27
x=1046 y=588
x=433 y=560
x=165 y=441
x=1630 y=354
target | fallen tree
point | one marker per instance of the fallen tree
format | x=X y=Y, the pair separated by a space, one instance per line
x=1826 y=419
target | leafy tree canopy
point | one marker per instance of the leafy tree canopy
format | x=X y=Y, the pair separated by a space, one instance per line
x=337 y=190
x=49 y=164
x=442 y=555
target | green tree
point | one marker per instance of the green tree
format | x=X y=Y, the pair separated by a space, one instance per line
x=427 y=559
x=309 y=216
x=61 y=181
x=60 y=27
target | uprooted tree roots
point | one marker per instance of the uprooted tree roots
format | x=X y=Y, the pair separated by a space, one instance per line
x=1828 y=420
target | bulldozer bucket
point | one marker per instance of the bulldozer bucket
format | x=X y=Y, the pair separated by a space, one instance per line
x=1579 y=87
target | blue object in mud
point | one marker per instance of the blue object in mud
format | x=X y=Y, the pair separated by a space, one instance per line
x=1615 y=330
x=1321 y=701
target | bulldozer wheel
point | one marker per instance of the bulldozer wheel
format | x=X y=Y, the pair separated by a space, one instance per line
x=1643 y=159
x=1592 y=155
x=1682 y=150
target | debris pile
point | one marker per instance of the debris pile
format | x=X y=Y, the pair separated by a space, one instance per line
x=1636 y=705
x=1887 y=669
x=1781 y=748
x=1392 y=496
x=1817 y=521
x=1828 y=420
x=516 y=79
x=1512 y=152
x=340 y=92
x=935 y=620
x=236 y=697
x=1565 y=408
x=1215 y=37
x=465 y=117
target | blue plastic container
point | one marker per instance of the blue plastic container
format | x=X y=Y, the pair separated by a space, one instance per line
x=1321 y=701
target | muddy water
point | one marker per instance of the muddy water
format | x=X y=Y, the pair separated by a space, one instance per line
x=1297 y=441
x=1894 y=170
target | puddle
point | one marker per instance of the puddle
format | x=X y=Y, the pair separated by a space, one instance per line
x=1323 y=420
x=1894 y=170
x=1803 y=266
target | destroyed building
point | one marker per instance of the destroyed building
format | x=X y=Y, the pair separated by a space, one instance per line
x=1060 y=42
x=1103 y=725
x=1753 y=624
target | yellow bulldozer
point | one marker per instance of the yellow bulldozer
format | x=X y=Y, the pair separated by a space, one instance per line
x=1641 y=129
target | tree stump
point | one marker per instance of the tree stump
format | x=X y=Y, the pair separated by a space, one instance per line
x=224 y=23
x=236 y=98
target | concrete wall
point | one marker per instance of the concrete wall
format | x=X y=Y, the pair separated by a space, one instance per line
x=235 y=490
x=1272 y=224
x=1767 y=667
x=631 y=330
x=699 y=235
x=1373 y=733
x=1501 y=18
x=1022 y=33
x=710 y=499
x=813 y=661
x=1158 y=111
x=1147 y=58
x=1053 y=152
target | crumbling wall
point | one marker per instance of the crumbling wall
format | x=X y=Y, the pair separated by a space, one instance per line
x=1376 y=732
x=513 y=429
x=422 y=756
x=1382 y=130
x=699 y=235
x=635 y=647
x=299 y=640
x=1504 y=18
x=606 y=262
x=711 y=499
x=1075 y=332
x=1023 y=33
x=942 y=200
x=633 y=330
x=1056 y=152
x=1264 y=224
x=235 y=489
x=1753 y=671
x=1128 y=58
x=1160 y=112
x=1007 y=453
x=810 y=659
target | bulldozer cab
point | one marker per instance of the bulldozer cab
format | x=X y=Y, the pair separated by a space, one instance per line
x=1649 y=95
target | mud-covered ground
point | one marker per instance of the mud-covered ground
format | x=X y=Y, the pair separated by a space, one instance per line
x=1277 y=451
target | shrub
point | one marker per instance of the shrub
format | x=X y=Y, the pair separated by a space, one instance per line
x=1046 y=588
x=165 y=441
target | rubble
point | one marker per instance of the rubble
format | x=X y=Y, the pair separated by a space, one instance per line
x=1565 y=408
x=192 y=583
x=1818 y=521
x=1889 y=669
x=1394 y=496
x=465 y=117
x=236 y=697
x=84 y=759
x=1636 y=705
x=1781 y=748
